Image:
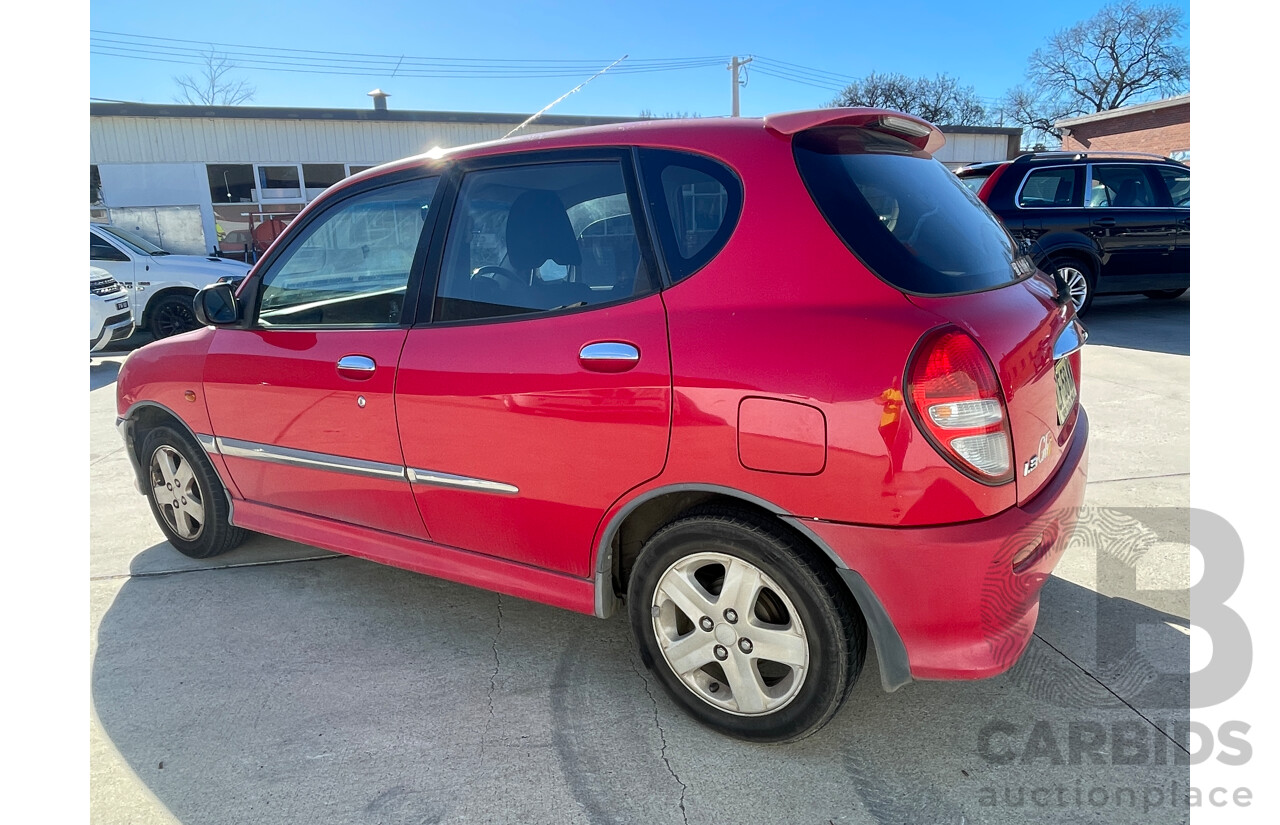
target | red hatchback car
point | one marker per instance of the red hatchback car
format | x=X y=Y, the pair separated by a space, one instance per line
x=774 y=385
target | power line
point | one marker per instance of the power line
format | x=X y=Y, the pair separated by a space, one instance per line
x=808 y=71
x=772 y=72
x=172 y=50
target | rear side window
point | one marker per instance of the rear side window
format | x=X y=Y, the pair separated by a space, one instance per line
x=904 y=214
x=1178 y=182
x=541 y=238
x=1119 y=186
x=1050 y=187
x=696 y=202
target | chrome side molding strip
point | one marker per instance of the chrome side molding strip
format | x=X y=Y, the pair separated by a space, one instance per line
x=209 y=443
x=305 y=458
x=236 y=448
x=462 y=482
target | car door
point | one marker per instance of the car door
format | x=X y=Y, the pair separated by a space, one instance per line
x=301 y=399
x=540 y=390
x=1177 y=182
x=1135 y=230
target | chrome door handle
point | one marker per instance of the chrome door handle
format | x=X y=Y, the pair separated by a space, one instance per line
x=609 y=356
x=358 y=367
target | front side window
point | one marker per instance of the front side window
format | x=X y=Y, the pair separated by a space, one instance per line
x=1120 y=186
x=1050 y=188
x=539 y=238
x=100 y=250
x=350 y=266
x=136 y=242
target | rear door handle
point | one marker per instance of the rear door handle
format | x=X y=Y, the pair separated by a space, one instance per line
x=609 y=356
x=356 y=367
x=1105 y=222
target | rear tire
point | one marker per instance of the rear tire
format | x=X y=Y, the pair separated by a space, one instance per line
x=186 y=496
x=1081 y=278
x=743 y=628
x=1165 y=294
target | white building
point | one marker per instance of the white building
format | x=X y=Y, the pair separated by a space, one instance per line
x=196 y=179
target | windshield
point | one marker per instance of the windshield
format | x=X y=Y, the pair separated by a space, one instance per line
x=904 y=214
x=137 y=243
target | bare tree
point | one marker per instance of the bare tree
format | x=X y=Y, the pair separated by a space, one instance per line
x=214 y=86
x=650 y=113
x=940 y=99
x=1122 y=55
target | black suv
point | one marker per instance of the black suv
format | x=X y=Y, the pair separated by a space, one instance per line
x=1104 y=222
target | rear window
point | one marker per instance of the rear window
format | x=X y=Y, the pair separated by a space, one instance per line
x=974 y=180
x=904 y=214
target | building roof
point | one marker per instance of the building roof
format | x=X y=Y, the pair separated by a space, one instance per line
x=165 y=110
x=1155 y=105
x=178 y=110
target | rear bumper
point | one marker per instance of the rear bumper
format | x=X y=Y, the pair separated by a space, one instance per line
x=949 y=599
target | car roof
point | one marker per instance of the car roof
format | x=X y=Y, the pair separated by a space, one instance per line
x=680 y=133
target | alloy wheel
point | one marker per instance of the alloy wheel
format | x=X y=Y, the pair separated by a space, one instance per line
x=1077 y=285
x=177 y=494
x=173 y=318
x=730 y=634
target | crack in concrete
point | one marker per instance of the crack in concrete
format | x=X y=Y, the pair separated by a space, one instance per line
x=1108 y=689
x=156 y=573
x=1138 y=478
x=493 y=679
x=105 y=456
x=663 y=735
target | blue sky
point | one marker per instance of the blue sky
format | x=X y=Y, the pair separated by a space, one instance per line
x=987 y=50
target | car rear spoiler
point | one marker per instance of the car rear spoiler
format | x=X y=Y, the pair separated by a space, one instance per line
x=919 y=133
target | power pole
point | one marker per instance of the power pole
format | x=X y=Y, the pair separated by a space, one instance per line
x=733 y=69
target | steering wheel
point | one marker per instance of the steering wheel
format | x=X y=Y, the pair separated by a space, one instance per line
x=492 y=273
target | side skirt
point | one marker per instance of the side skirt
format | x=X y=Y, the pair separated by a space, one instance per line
x=450 y=563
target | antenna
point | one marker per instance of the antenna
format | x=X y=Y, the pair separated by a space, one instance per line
x=544 y=109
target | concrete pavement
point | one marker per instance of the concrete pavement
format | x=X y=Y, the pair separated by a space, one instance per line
x=283 y=684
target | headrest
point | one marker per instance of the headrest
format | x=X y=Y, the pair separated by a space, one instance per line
x=538 y=230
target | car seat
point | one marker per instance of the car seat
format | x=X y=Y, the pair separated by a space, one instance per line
x=538 y=231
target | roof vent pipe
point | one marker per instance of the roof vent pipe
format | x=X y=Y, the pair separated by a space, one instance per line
x=379 y=100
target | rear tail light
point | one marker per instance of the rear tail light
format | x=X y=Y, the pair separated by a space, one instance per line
x=954 y=396
x=984 y=191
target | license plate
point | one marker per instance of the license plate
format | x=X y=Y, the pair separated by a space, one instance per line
x=122 y=304
x=1066 y=382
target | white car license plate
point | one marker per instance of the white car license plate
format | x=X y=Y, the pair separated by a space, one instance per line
x=1063 y=377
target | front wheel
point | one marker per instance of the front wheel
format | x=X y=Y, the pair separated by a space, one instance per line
x=170 y=315
x=743 y=628
x=186 y=496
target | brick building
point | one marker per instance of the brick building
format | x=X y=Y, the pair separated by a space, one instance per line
x=1161 y=128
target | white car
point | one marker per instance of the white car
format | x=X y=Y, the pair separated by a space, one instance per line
x=109 y=316
x=161 y=284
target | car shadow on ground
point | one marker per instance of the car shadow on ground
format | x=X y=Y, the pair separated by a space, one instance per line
x=1138 y=322
x=102 y=373
x=346 y=691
